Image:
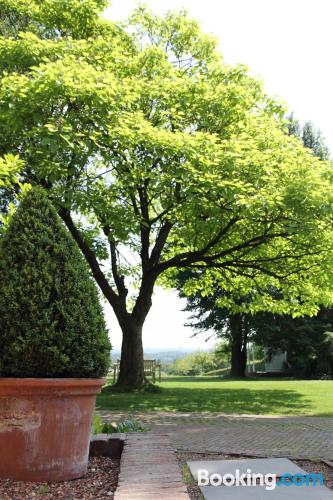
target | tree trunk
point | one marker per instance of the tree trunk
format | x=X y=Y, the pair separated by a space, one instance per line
x=131 y=374
x=238 y=346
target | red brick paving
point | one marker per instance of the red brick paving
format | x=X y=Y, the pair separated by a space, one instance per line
x=149 y=470
x=294 y=437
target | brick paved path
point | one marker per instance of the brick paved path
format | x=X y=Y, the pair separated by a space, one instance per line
x=149 y=470
x=294 y=437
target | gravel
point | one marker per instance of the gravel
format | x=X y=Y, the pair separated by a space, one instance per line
x=193 y=489
x=99 y=483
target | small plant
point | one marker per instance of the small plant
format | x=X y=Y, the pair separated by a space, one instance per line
x=187 y=475
x=129 y=424
x=43 y=489
x=97 y=425
x=109 y=428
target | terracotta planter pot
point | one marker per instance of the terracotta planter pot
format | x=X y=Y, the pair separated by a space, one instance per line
x=45 y=427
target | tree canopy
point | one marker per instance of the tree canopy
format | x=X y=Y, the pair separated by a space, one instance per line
x=160 y=156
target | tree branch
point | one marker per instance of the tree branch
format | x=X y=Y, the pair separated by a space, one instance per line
x=144 y=226
x=191 y=257
x=98 y=274
x=118 y=279
x=160 y=242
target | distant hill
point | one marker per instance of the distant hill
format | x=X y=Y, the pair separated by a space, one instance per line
x=164 y=355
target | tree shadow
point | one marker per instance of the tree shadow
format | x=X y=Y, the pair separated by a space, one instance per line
x=220 y=399
x=203 y=379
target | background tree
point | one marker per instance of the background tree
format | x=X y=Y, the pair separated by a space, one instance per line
x=302 y=338
x=311 y=137
x=160 y=157
x=196 y=363
x=307 y=341
x=206 y=315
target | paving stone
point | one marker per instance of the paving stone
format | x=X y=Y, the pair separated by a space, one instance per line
x=149 y=470
x=293 y=437
x=278 y=466
x=260 y=493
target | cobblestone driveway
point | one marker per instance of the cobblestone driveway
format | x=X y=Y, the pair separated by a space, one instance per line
x=294 y=437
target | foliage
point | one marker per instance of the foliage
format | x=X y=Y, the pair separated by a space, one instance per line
x=216 y=394
x=208 y=316
x=307 y=341
x=153 y=148
x=128 y=424
x=43 y=489
x=310 y=136
x=10 y=167
x=200 y=362
x=52 y=324
x=194 y=364
x=50 y=18
x=187 y=475
x=305 y=351
x=97 y=424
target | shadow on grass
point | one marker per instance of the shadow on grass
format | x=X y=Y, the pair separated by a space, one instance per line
x=220 y=399
x=224 y=378
x=203 y=379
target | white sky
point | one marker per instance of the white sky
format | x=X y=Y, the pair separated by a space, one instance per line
x=288 y=44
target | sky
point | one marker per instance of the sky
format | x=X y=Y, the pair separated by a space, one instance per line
x=288 y=45
x=164 y=327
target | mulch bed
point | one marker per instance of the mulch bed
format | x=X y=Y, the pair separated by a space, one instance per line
x=99 y=483
x=194 y=491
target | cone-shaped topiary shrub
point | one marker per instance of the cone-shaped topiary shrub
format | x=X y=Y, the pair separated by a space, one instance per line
x=51 y=321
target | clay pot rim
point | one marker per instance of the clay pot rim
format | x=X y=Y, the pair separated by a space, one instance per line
x=50 y=387
x=56 y=382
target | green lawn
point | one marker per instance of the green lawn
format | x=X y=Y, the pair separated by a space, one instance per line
x=205 y=394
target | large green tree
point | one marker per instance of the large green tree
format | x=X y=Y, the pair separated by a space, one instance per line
x=159 y=156
x=307 y=341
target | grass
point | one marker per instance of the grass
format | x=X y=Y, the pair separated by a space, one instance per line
x=214 y=394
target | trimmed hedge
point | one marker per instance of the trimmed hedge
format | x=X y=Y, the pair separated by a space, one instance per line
x=51 y=321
